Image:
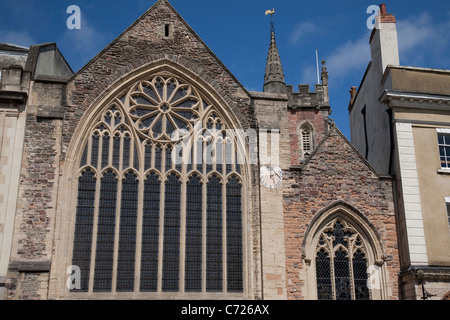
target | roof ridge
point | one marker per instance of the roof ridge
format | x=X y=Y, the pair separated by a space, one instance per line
x=116 y=39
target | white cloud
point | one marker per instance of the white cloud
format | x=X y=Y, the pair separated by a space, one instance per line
x=83 y=44
x=352 y=55
x=16 y=37
x=422 y=41
x=301 y=30
x=309 y=75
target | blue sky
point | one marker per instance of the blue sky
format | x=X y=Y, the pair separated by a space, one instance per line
x=237 y=31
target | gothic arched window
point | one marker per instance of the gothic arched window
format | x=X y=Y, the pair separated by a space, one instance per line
x=306 y=139
x=341 y=263
x=160 y=196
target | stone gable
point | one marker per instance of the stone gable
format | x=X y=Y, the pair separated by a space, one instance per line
x=158 y=35
x=335 y=173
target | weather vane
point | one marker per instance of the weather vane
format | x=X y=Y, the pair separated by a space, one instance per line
x=271 y=13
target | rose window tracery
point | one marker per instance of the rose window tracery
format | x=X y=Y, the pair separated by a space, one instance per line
x=161 y=105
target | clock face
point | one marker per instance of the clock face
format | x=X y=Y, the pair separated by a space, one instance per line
x=271 y=177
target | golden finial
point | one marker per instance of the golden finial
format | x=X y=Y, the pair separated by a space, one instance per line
x=270 y=12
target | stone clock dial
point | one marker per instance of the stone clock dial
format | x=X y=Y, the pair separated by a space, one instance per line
x=271 y=177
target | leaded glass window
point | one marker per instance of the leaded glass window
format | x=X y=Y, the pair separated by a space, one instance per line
x=214 y=236
x=341 y=263
x=127 y=232
x=84 y=225
x=151 y=217
x=234 y=235
x=194 y=234
x=150 y=234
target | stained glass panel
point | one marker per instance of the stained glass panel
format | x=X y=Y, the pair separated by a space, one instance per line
x=127 y=233
x=105 y=233
x=94 y=149
x=171 y=254
x=360 y=276
x=150 y=234
x=342 y=276
x=194 y=234
x=234 y=236
x=323 y=276
x=214 y=235
x=84 y=226
x=105 y=150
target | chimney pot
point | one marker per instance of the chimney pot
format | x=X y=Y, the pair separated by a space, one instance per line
x=383 y=8
x=352 y=93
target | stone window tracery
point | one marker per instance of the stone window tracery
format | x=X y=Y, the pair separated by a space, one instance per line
x=146 y=221
x=341 y=263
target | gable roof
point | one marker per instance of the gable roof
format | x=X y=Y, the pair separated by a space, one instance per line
x=156 y=6
x=13 y=48
x=332 y=132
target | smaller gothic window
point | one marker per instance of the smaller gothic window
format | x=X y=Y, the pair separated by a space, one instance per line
x=341 y=263
x=306 y=139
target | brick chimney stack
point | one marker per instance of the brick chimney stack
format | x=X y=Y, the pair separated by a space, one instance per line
x=384 y=16
x=353 y=92
x=383 y=41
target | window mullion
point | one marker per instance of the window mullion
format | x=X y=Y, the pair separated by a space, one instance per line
x=100 y=151
x=140 y=217
x=111 y=149
x=161 y=232
x=153 y=156
x=116 y=234
x=204 y=191
x=94 y=235
x=182 y=240
x=224 y=237
x=333 y=282
x=445 y=157
x=121 y=152
x=350 y=267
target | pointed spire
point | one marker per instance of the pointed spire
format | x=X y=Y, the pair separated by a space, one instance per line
x=274 y=76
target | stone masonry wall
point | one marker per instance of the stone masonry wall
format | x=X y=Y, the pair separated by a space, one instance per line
x=32 y=246
x=319 y=121
x=336 y=173
x=33 y=241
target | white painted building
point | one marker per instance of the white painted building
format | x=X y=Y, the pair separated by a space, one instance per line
x=396 y=117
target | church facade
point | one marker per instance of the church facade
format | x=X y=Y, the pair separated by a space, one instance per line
x=152 y=173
